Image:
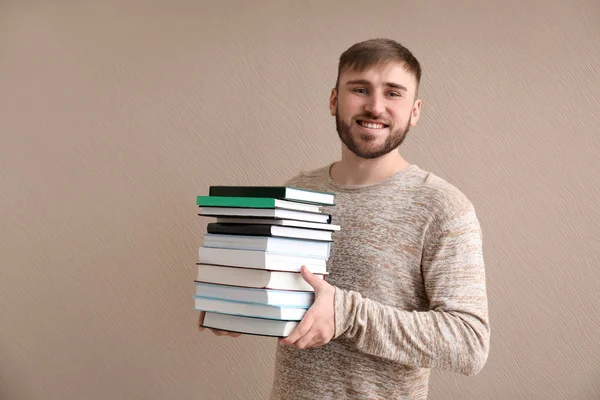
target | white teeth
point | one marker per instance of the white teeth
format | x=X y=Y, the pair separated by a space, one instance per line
x=372 y=126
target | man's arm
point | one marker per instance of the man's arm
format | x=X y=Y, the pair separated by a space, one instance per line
x=454 y=334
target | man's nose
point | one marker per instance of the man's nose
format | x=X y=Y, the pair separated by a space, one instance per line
x=375 y=105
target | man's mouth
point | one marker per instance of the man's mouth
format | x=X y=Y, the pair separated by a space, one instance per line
x=371 y=124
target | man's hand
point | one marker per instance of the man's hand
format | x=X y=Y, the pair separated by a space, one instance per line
x=215 y=331
x=318 y=324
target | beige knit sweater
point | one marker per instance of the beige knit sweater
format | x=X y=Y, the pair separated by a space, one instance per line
x=410 y=291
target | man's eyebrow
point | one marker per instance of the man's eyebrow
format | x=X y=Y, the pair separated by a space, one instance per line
x=367 y=83
x=396 y=86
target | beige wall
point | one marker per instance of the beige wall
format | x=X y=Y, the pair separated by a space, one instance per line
x=114 y=117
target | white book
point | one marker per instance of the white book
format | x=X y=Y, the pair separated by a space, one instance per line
x=308 y=248
x=252 y=326
x=249 y=309
x=291 y=205
x=265 y=213
x=261 y=260
x=253 y=295
x=310 y=195
x=256 y=278
x=282 y=222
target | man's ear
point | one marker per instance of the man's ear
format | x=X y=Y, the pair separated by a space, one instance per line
x=333 y=102
x=415 y=112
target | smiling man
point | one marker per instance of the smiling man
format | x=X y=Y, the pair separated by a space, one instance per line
x=377 y=128
x=407 y=289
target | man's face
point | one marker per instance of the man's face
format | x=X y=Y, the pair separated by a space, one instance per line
x=375 y=108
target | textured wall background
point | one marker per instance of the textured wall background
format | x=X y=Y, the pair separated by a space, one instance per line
x=114 y=116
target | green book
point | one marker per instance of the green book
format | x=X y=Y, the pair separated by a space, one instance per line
x=275 y=192
x=254 y=202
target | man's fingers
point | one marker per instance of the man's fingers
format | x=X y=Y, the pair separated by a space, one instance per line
x=310 y=278
x=224 y=333
x=318 y=339
x=314 y=337
x=201 y=321
x=215 y=331
x=305 y=341
x=300 y=330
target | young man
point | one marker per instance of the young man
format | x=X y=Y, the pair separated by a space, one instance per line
x=406 y=290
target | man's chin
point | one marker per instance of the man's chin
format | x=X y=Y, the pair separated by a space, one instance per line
x=369 y=135
x=370 y=141
x=368 y=152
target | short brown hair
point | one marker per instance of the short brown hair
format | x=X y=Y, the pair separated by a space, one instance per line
x=374 y=51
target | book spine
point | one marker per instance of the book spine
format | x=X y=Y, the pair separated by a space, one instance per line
x=235 y=191
x=233 y=229
x=242 y=202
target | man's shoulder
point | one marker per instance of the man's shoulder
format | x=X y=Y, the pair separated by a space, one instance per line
x=310 y=178
x=441 y=194
x=429 y=188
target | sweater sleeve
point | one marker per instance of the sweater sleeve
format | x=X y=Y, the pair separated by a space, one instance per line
x=453 y=334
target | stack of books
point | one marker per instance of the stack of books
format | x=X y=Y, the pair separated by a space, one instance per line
x=249 y=277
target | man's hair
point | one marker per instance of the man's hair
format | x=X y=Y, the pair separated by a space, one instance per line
x=363 y=55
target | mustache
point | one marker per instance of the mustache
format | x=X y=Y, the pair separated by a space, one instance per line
x=372 y=117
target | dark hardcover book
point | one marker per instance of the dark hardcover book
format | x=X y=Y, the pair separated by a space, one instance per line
x=280 y=222
x=276 y=192
x=275 y=213
x=268 y=230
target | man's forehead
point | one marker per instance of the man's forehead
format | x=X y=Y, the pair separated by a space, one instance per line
x=386 y=71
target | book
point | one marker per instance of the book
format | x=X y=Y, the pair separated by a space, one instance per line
x=264 y=213
x=300 y=247
x=255 y=202
x=281 y=222
x=278 y=192
x=268 y=230
x=256 y=278
x=252 y=326
x=252 y=295
x=249 y=263
x=260 y=260
x=249 y=309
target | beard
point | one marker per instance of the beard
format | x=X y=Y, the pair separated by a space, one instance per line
x=355 y=141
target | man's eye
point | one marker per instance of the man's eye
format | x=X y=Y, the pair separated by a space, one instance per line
x=394 y=94
x=359 y=90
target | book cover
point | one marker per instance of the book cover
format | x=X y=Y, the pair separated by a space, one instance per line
x=248 y=325
x=265 y=213
x=278 y=192
x=280 y=298
x=255 y=202
x=260 y=260
x=273 y=244
x=282 y=222
x=249 y=309
x=255 y=278
x=268 y=230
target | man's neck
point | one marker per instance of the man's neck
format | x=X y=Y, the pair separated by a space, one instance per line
x=353 y=170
